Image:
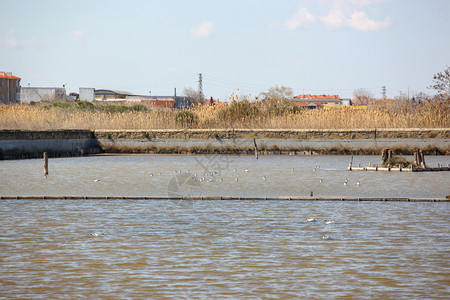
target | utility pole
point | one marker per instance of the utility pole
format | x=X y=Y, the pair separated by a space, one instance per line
x=383 y=88
x=200 y=86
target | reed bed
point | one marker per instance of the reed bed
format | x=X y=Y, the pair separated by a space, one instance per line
x=239 y=114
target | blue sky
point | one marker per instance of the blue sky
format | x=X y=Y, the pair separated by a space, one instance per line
x=243 y=47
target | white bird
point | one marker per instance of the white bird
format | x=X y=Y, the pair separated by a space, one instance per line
x=358 y=183
x=236 y=179
x=97 y=180
x=329 y=221
x=245 y=170
x=311 y=219
x=96 y=234
x=345 y=182
x=326 y=237
x=264 y=177
x=320 y=180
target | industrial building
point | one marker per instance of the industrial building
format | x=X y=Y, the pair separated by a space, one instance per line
x=35 y=94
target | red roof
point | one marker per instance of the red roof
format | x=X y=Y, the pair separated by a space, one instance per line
x=317 y=97
x=8 y=75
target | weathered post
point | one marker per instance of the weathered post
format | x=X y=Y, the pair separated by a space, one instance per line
x=386 y=156
x=256 y=148
x=45 y=164
x=419 y=160
x=422 y=159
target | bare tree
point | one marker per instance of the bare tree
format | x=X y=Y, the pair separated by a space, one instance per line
x=277 y=99
x=441 y=82
x=362 y=96
x=193 y=96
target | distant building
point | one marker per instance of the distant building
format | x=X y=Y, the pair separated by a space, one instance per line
x=9 y=88
x=86 y=94
x=324 y=100
x=111 y=95
x=320 y=101
x=35 y=94
x=308 y=105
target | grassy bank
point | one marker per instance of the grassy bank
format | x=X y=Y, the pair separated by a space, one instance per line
x=239 y=114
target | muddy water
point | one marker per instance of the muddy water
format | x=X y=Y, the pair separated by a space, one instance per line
x=223 y=249
x=218 y=175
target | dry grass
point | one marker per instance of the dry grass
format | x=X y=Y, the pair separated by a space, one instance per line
x=240 y=114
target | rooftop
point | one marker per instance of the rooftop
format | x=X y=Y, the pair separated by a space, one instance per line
x=8 y=75
x=318 y=97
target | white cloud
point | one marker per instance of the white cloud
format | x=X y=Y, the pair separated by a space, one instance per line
x=341 y=14
x=360 y=21
x=11 y=40
x=335 y=19
x=301 y=19
x=204 y=30
x=365 y=2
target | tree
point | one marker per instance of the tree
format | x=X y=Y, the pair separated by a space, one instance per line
x=193 y=96
x=277 y=99
x=441 y=82
x=362 y=96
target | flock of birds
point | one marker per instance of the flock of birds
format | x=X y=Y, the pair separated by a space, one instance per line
x=213 y=176
x=326 y=222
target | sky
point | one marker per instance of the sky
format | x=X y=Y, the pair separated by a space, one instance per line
x=241 y=47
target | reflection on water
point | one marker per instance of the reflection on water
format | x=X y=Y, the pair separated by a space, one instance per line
x=222 y=249
x=218 y=175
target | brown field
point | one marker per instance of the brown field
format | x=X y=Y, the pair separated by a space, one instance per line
x=240 y=114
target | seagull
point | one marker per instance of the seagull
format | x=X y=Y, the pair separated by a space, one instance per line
x=326 y=237
x=358 y=183
x=329 y=221
x=236 y=179
x=320 y=180
x=96 y=234
x=97 y=180
x=245 y=170
x=264 y=177
x=345 y=182
x=311 y=219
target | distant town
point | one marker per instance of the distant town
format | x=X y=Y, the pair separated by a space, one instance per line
x=11 y=92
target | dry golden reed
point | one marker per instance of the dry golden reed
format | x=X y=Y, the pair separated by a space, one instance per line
x=239 y=114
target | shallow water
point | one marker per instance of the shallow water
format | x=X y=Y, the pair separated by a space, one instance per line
x=223 y=249
x=206 y=249
x=218 y=175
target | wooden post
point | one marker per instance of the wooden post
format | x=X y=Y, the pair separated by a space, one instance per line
x=422 y=159
x=45 y=164
x=385 y=157
x=256 y=148
x=419 y=159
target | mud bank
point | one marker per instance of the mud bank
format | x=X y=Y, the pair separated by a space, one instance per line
x=16 y=144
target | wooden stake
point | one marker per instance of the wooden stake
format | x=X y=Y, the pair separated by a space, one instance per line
x=45 y=164
x=256 y=148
